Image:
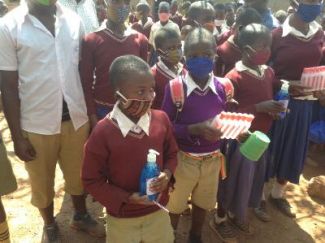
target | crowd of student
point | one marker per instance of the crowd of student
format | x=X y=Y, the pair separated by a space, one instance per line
x=78 y=91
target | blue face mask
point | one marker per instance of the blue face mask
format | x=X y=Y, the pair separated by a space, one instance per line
x=309 y=12
x=199 y=67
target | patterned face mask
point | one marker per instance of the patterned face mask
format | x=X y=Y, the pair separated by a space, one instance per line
x=135 y=107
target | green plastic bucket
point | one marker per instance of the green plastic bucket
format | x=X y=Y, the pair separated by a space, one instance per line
x=255 y=146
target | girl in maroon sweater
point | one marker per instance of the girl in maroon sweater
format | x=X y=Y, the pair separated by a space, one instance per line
x=296 y=45
x=116 y=153
x=254 y=85
x=169 y=48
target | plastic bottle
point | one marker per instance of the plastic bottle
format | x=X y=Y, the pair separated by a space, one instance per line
x=283 y=97
x=149 y=172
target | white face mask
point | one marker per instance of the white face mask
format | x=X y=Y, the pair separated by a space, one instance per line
x=219 y=22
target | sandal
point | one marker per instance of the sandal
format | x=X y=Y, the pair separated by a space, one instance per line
x=224 y=231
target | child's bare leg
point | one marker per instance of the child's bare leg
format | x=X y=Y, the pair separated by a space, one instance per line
x=2 y=212
x=198 y=217
x=47 y=214
x=174 y=218
x=79 y=203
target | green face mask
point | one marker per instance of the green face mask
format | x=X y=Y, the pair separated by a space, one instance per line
x=44 y=2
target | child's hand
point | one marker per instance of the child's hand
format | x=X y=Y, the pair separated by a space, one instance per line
x=297 y=89
x=243 y=137
x=135 y=198
x=161 y=183
x=270 y=106
x=206 y=130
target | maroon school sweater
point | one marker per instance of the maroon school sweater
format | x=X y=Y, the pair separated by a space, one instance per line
x=99 y=49
x=228 y=54
x=162 y=79
x=290 y=55
x=112 y=164
x=251 y=90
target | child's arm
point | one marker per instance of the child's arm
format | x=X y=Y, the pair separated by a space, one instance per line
x=94 y=174
x=86 y=69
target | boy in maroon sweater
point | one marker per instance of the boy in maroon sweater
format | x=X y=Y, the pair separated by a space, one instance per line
x=99 y=49
x=169 y=49
x=116 y=153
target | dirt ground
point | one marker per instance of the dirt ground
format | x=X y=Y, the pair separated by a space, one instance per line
x=309 y=226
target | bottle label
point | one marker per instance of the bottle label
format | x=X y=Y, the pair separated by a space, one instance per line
x=149 y=182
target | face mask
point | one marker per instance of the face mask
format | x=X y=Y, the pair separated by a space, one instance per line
x=260 y=57
x=134 y=107
x=309 y=12
x=219 y=22
x=164 y=17
x=199 y=67
x=172 y=56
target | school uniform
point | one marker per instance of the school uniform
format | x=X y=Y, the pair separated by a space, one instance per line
x=114 y=157
x=99 y=50
x=292 y=51
x=144 y=29
x=243 y=186
x=228 y=53
x=177 y=19
x=199 y=160
x=162 y=76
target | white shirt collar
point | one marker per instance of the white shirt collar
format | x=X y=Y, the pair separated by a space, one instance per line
x=241 y=67
x=191 y=85
x=287 y=29
x=167 y=71
x=126 y=125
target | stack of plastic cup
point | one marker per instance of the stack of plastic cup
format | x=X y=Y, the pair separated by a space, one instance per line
x=233 y=124
x=314 y=77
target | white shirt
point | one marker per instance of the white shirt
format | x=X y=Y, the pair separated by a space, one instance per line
x=241 y=67
x=167 y=72
x=47 y=68
x=86 y=9
x=191 y=85
x=126 y=125
x=287 y=29
x=156 y=26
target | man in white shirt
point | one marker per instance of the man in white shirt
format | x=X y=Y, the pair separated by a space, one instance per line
x=44 y=104
x=86 y=9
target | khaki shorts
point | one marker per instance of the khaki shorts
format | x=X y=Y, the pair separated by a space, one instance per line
x=152 y=228
x=198 y=177
x=65 y=148
x=8 y=182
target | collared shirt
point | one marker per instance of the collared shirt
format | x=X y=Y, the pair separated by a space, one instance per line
x=126 y=125
x=287 y=29
x=241 y=67
x=156 y=26
x=191 y=85
x=86 y=10
x=47 y=68
x=167 y=71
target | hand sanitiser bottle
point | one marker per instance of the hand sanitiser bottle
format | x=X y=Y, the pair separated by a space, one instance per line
x=283 y=97
x=149 y=172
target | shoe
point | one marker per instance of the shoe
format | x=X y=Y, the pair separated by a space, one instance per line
x=244 y=228
x=224 y=231
x=194 y=239
x=261 y=213
x=87 y=224
x=283 y=205
x=50 y=233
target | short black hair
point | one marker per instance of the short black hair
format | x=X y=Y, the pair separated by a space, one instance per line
x=143 y=5
x=197 y=8
x=164 y=35
x=246 y=16
x=220 y=7
x=124 y=67
x=197 y=35
x=252 y=33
